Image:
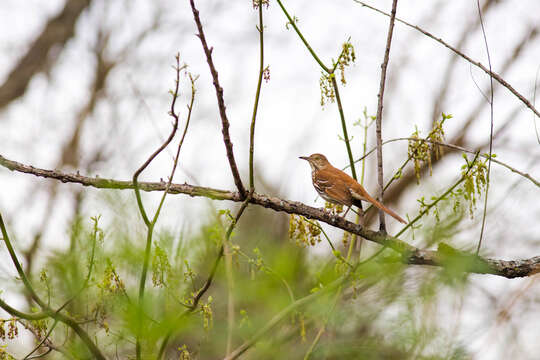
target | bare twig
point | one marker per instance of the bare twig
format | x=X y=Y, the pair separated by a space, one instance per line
x=447 y=78
x=457 y=148
x=491 y=129
x=495 y=76
x=260 y=28
x=534 y=102
x=411 y=254
x=378 y=121
x=221 y=102
x=150 y=223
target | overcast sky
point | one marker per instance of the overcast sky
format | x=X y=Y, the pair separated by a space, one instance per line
x=131 y=121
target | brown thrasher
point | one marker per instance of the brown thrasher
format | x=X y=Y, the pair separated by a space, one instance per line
x=335 y=186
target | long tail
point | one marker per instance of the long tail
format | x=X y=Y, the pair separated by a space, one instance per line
x=377 y=204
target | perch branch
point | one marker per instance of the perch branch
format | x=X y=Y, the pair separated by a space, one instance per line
x=410 y=254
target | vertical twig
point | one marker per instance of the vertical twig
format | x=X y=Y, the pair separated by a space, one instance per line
x=260 y=28
x=490 y=131
x=221 y=103
x=310 y=49
x=378 y=121
x=151 y=223
x=344 y=126
x=230 y=295
x=330 y=72
x=534 y=103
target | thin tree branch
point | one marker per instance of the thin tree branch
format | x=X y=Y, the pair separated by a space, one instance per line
x=484 y=214
x=150 y=224
x=410 y=254
x=378 y=121
x=426 y=210
x=260 y=28
x=495 y=76
x=457 y=148
x=330 y=72
x=344 y=126
x=221 y=102
x=83 y=335
x=310 y=49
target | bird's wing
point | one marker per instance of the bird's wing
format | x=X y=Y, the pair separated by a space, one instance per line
x=332 y=189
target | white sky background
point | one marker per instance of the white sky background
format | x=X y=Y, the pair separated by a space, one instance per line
x=290 y=121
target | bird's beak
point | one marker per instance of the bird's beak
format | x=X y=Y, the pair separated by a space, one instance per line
x=304 y=157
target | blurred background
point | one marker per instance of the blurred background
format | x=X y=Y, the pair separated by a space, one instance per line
x=84 y=86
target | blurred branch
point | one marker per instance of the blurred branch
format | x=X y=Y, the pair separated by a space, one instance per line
x=70 y=153
x=458 y=148
x=199 y=294
x=292 y=307
x=410 y=254
x=448 y=73
x=83 y=335
x=378 y=119
x=221 y=102
x=57 y=32
x=151 y=223
x=475 y=112
x=495 y=76
x=491 y=128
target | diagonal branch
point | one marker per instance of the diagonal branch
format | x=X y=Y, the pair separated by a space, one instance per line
x=57 y=32
x=410 y=254
x=221 y=102
x=495 y=76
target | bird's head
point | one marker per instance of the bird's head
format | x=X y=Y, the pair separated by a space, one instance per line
x=317 y=161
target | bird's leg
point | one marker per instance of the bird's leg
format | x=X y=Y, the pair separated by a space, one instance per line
x=349 y=208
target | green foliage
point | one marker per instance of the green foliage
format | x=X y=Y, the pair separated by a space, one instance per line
x=475 y=181
x=346 y=58
x=304 y=232
x=328 y=93
x=421 y=151
x=4 y=355
x=376 y=317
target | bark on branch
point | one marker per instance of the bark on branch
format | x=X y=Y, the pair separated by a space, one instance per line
x=221 y=102
x=410 y=254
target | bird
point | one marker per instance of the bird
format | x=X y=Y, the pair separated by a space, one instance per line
x=337 y=187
